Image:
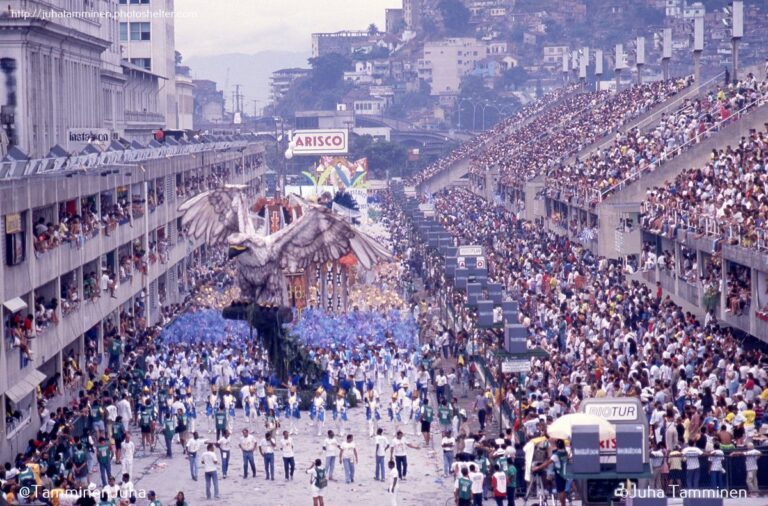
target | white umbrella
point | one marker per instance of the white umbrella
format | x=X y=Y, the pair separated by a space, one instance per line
x=562 y=428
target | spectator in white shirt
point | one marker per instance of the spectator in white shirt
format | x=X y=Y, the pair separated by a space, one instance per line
x=331 y=447
x=210 y=466
x=381 y=447
x=691 y=454
x=346 y=455
x=248 y=445
x=289 y=464
x=267 y=452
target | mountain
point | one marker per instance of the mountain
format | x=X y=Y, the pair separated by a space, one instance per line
x=250 y=71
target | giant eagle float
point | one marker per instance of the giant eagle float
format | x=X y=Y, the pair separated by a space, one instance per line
x=221 y=216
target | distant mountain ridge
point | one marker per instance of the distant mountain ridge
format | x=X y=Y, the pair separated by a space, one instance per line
x=250 y=71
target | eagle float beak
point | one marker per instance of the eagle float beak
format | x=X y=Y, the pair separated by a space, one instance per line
x=235 y=251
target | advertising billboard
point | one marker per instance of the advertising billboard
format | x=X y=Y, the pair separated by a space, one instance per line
x=320 y=142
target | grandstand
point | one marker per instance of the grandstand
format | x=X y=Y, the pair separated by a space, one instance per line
x=606 y=170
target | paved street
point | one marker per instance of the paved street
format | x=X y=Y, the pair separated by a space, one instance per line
x=423 y=485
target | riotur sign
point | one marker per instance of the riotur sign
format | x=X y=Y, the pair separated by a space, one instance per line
x=320 y=142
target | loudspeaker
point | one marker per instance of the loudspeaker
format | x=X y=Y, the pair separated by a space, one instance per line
x=484 y=314
x=515 y=338
x=585 y=448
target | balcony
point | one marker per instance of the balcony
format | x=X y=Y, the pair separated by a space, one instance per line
x=141 y=118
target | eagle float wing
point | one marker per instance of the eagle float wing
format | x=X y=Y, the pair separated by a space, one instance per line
x=320 y=236
x=215 y=215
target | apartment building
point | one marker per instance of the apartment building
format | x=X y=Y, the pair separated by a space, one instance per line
x=147 y=39
x=446 y=61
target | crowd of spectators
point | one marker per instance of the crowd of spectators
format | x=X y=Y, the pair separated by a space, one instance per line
x=726 y=198
x=607 y=335
x=49 y=461
x=637 y=151
x=194 y=183
x=73 y=229
x=568 y=127
x=491 y=135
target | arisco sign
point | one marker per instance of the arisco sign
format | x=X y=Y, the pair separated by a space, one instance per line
x=320 y=142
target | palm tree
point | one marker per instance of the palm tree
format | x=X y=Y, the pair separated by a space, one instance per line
x=373 y=29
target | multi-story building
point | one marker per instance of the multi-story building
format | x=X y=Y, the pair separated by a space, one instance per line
x=147 y=39
x=553 y=55
x=185 y=101
x=57 y=67
x=123 y=228
x=412 y=10
x=281 y=80
x=394 y=21
x=208 y=102
x=446 y=61
x=336 y=42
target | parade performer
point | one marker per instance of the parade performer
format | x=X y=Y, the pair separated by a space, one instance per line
x=272 y=404
x=372 y=412
x=318 y=409
x=340 y=410
x=229 y=407
x=210 y=407
x=292 y=409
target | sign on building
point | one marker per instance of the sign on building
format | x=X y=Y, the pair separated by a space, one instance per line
x=515 y=366
x=78 y=138
x=320 y=142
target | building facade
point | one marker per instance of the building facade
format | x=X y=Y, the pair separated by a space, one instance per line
x=394 y=21
x=185 y=100
x=130 y=236
x=281 y=80
x=147 y=39
x=336 y=42
x=446 y=61
x=52 y=75
x=208 y=102
x=412 y=10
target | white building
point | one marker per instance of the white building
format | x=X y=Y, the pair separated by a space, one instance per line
x=149 y=42
x=57 y=68
x=185 y=99
x=445 y=62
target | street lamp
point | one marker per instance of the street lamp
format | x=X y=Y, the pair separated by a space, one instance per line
x=736 y=22
x=663 y=40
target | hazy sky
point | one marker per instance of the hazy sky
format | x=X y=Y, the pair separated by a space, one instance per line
x=204 y=27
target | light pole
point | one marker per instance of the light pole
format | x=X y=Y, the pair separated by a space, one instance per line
x=736 y=11
x=619 y=65
x=598 y=66
x=698 y=45
x=665 y=40
x=640 y=58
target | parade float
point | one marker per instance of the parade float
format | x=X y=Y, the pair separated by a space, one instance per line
x=291 y=253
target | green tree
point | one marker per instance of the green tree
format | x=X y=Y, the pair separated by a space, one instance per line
x=328 y=70
x=455 y=17
x=382 y=155
x=514 y=77
x=373 y=29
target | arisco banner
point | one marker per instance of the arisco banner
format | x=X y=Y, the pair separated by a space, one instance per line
x=320 y=142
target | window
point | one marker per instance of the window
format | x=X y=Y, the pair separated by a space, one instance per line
x=123 y=32
x=142 y=62
x=139 y=31
x=136 y=2
x=14 y=239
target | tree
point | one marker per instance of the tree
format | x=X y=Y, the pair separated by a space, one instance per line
x=455 y=17
x=328 y=70
x=382 y=155
x=514 y=77
x=373 y=29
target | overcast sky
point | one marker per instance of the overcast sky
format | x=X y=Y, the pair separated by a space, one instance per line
x=249 y=26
